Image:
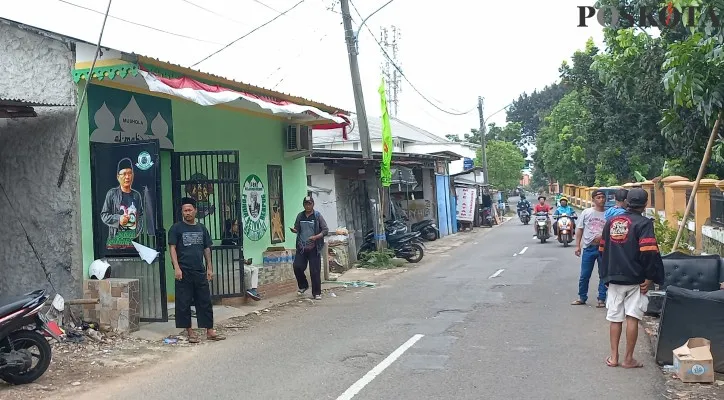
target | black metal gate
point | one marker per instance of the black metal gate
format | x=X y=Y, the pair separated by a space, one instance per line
x=212 y=179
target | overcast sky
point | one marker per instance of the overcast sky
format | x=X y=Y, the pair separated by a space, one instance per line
x=452 y=51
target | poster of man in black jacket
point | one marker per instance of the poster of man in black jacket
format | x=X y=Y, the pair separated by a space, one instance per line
x=631 y=261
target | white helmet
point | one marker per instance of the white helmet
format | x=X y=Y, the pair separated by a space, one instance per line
x=99 y=269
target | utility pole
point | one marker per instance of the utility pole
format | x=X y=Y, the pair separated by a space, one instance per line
x=374 y=188
x=351 y=39
x=483 y=157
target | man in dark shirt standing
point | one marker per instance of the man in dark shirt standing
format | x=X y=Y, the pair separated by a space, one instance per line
x=311 y=228
x=630 y=262
x=190 y=246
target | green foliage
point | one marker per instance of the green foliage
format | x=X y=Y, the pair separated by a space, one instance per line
x=453 y=137
x=505 y=162
x=381 y=259
x=666 y=235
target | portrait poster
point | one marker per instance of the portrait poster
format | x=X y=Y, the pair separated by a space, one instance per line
x=276 y=204
x=124 y=179
x=254 y=208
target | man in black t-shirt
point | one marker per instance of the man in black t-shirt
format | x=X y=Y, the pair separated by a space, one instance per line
x=190 y=247
x=311 y=228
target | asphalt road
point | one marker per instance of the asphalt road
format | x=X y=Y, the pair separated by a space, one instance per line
x=512 y=336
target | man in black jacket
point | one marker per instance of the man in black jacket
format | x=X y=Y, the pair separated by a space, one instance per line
x=631 y=261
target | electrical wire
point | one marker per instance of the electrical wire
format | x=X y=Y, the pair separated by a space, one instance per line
x=213 y=12
x=267 y=6
x=248 y=33
x=387 y=56
x=293 y=59
x=139 y=24
x=74 y=134
x=27 y=237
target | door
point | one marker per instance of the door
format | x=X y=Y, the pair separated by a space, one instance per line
x=212 y=179
x=126 y=187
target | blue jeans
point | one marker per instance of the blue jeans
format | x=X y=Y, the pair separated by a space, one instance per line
x=589 y=256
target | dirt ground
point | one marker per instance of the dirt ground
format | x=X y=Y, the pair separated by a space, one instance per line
x=675 y=389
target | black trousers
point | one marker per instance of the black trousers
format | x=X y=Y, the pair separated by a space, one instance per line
x=194 y=288
x=312 y=258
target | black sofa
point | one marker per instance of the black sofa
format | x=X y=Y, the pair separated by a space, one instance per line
x=698 y=273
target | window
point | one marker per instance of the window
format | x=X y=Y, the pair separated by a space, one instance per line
x=276 y=203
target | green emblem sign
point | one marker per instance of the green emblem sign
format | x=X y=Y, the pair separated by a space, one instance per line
x=254 y=208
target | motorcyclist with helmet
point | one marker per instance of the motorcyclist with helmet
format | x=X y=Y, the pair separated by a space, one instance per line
x=542 y=207
x=523 y=204
x=564 y=208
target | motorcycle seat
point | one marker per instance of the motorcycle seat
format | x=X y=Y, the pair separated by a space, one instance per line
x=16 y=305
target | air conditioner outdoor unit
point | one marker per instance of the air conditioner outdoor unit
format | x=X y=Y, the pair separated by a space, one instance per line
x=298 y=140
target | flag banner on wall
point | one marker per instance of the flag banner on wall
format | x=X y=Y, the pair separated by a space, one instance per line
x=210 y=95
x=385 y=173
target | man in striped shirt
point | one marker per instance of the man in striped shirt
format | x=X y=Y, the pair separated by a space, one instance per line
x=631 y=262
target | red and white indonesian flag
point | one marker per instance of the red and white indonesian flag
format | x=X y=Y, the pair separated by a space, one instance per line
x=210 y=95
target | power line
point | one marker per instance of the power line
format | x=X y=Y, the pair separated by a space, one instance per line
x=213 y=12
x=387 y=56
x=267 y=6
x=139 y=24
x=66 y=156
x=248 y=33
x=293 y=59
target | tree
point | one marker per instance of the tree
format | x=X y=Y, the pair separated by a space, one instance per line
x=453 y=137
x=505 y=162
x=531 y=110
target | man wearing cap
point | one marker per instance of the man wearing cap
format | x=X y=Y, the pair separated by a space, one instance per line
x=123 y=207
x=542 y=207
x=311 y=228
x=588 y=236
x=631 y=262
x=190 y=248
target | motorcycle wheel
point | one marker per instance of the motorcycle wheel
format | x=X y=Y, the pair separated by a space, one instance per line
x=430 y=235
x=565 y=241
x=23 y=340
x=419 y=253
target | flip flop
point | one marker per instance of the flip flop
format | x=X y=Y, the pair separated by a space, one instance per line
x=578 y=303
x=637 y=364
x=216 y=337
x=193 y=339
x=601 y=304
x=610 y=363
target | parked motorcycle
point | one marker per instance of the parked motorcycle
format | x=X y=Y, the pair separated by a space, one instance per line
x=524 y=217
x=408 y=246
x=427 y=228
x=486 y=216
x=541 y=221
x=564 y=224
x=23 y=328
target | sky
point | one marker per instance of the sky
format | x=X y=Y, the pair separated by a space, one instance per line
x=452 y=51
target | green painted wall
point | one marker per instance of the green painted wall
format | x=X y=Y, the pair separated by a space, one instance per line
x=260 y=142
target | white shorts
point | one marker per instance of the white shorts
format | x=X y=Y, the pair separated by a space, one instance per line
x=625 y=300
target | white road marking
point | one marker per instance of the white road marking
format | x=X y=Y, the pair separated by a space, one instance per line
x=497 y=273
x=360 y=384
x=523 y=251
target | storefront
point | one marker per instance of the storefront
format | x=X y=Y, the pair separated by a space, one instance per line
x=151 y=133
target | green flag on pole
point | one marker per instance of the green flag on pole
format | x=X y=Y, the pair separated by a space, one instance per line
x=385 y=173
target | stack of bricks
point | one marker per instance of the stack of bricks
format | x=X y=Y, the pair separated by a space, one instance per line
x=119 y=308
x=276 y=275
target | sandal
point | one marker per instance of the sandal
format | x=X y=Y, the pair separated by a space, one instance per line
x=193 y=339
x=601 y=304
x=216 y=337
x=610 y=363
x=637 y=364
x=578 y=302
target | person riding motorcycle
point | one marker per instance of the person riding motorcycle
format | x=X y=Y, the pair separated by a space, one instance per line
x=542 y=207
x=523 y=204
x=564 y=208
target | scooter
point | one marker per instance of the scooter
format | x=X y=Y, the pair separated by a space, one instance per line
x=541 y=221
x=22 y=328
x=487 y=217
x=524 y=217
x=564 y=224
x=427 y=229
x=405 y=245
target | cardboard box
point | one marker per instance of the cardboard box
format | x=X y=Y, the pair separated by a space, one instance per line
x=693 y=361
